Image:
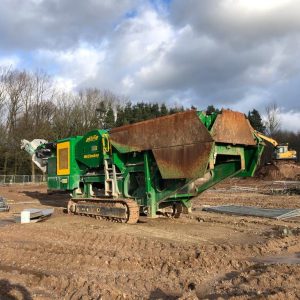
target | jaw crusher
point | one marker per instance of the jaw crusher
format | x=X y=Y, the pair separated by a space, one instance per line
x=151 y=167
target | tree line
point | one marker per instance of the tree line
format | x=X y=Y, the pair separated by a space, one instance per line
x=32 y=107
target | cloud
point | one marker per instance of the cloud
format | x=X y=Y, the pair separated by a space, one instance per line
x=290 y=120
x=242 y=23
x=239 y=54
x=135 y=44
x=226 y=50
x=63 y=84
x=57 y=24
x=9 y=61
x=78 y=64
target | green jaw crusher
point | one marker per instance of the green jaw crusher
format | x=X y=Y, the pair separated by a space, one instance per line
x=151 y=167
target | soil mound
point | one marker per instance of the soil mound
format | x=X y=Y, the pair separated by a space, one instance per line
x=280 y=170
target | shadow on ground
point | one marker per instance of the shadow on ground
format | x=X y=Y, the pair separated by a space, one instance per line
x=9 y=291
x=158 y=294
x=55 y=200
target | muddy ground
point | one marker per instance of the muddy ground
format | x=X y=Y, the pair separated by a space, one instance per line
x=204 y=255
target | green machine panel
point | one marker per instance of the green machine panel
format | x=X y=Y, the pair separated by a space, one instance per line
x=89 y=150
x=64 y=173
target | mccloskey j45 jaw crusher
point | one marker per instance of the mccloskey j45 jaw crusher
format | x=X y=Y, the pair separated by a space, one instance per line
x=151 y=167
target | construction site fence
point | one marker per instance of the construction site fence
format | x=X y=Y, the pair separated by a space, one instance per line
x=22 y=179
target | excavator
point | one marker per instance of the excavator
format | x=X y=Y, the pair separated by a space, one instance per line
x=281 y=151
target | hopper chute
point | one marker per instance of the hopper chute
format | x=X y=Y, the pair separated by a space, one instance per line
x=180 y=143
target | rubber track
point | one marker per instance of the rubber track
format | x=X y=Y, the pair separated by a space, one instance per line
x=133 y=207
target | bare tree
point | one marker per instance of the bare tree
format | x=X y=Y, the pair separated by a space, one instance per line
x=15 y=83
x=43 y=91
x=26 y=110
x=272 y=122
x=97 y=103
x=67 y=116
x=3 y=72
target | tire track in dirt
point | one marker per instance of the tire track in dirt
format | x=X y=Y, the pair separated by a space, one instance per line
x=81 y=258
x=116 y=259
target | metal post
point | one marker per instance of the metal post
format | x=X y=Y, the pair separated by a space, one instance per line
x=87 y=190
x=32 y=172
x=150 y=193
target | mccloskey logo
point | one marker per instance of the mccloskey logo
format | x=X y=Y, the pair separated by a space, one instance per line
x=92 y=138
x=91 y=155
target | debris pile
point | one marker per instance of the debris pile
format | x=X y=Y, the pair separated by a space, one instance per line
x=283 y=187
x=282 y=170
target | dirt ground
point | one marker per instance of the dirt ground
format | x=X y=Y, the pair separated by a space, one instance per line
x=203 y=255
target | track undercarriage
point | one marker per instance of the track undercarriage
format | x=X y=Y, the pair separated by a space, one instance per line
x=115 y=210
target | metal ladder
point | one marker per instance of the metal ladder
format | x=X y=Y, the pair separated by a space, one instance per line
x=110 y=185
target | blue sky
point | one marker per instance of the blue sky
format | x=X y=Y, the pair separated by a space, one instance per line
x=238 y=54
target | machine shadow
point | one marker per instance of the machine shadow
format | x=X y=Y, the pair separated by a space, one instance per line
x=158 y=294
x=55 y=199
x=9 y=291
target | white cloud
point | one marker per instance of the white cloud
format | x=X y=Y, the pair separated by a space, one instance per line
x=141 y=40
x=128 y=82
x=290 y=120
x=254 y=6
x=10 y=61
x=136 y=45
x=252 y=100
x=76 y=65
x=64 y=84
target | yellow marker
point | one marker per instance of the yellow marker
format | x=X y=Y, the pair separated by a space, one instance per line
x=63 y=158
x=92 y=138
x=105 y=142
x=95 y=155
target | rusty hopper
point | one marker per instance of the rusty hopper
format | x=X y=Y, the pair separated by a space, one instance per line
x=155 y=167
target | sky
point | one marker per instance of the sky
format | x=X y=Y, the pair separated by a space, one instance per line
x=237 y=54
